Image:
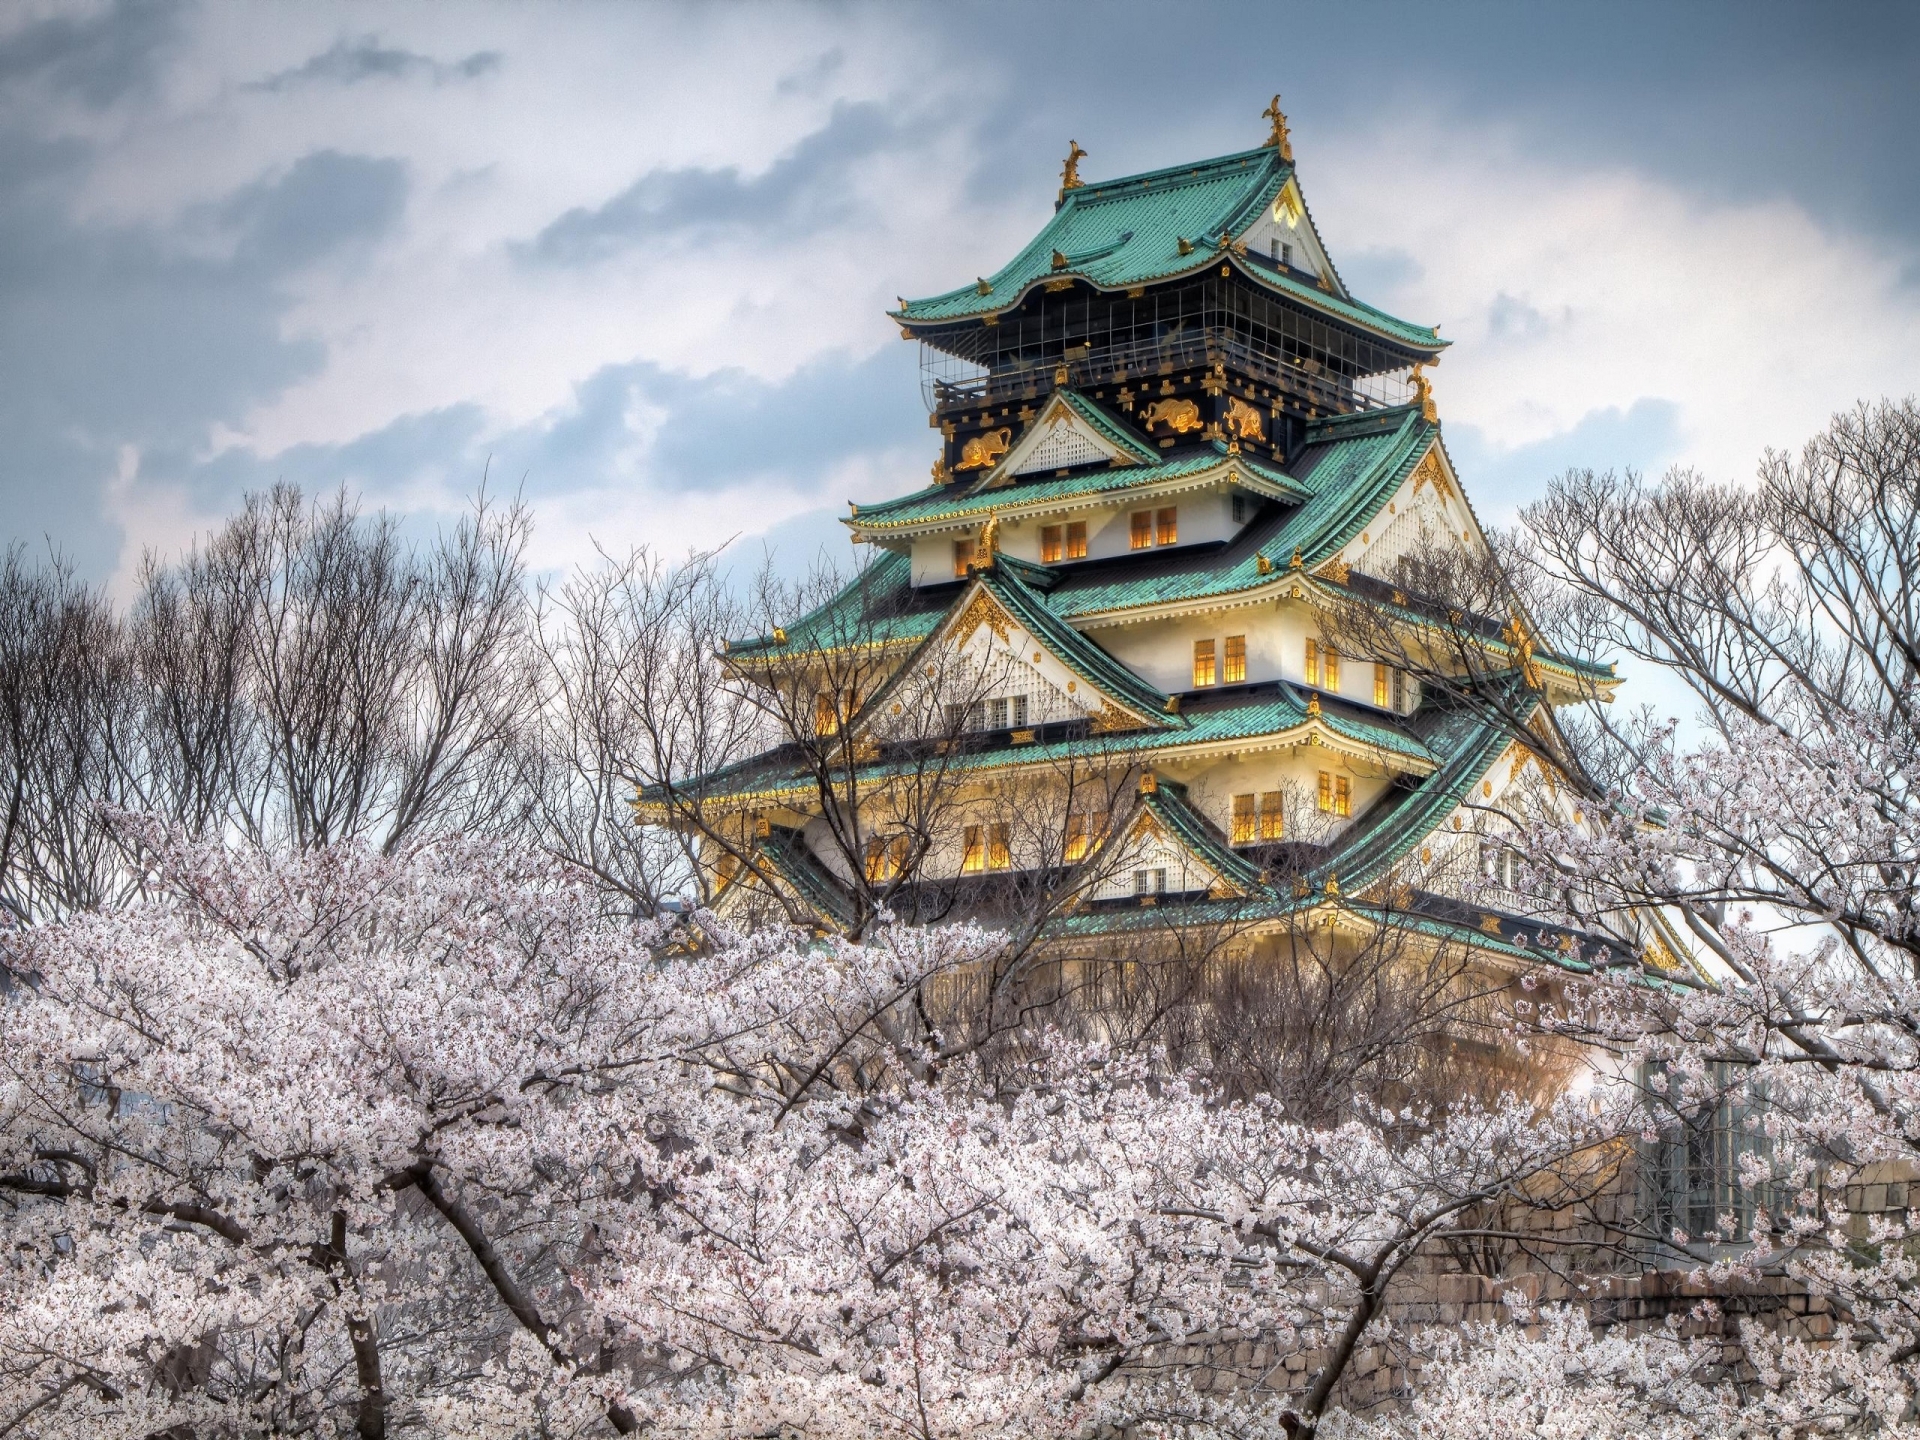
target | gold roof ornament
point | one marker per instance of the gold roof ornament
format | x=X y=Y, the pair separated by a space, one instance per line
x=1298 y=562
x=1313 y=707
x=989 y=542
x=1279 y=140
x=1333 y=885
x=1070 y=172
x=1423 y=392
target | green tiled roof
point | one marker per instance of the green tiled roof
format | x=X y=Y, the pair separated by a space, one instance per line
x=1348 y=471
x=1120 y=233
x=786 y=854
x=1167 y=803
x=878 y=607
x=1074 y=650
x=1249 y=716
x=942 y=503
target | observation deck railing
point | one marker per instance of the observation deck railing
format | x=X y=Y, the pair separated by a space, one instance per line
x=1315 y=385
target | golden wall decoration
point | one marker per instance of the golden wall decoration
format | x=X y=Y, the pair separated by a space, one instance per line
x=980 y=611
x=1243 y=422
x=1178 y=416
x=982 y=450
x=1431 y=472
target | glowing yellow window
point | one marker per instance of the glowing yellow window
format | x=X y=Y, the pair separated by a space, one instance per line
x=999 y=846
x=1077 y=540
x=973 y=857
x=1382 y=684
x=1141 y=532
x=876 y=858
x=1236 y=667
x=1330 y=662
x=1313 y=662
x=1336 y=794
x=1050 y=546
x=1273 y=824
x=826 y=718
x=1079 y=838
x=1245 y=820
x=962 y=556
x=1202 y=663
x=1166 y=526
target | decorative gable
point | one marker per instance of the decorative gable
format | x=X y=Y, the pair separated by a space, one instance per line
x=1062 y=436
x=1285 y=232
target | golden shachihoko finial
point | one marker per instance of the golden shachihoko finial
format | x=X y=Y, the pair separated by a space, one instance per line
x=1279 y=140
x=1070 y=172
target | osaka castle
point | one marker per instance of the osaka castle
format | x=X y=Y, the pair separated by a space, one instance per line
x=1088 y=675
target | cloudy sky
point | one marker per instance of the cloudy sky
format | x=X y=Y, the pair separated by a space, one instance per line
x=632 y=259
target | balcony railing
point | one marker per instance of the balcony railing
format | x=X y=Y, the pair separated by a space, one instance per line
x=1313 y=385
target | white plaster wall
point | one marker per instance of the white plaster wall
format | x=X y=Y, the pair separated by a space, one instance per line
x=1206 y=516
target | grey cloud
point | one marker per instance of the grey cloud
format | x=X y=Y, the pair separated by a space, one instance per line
x=97 y=58
x=348 y=62
x=1511 y=318
x=325 y=200
x=801 y=193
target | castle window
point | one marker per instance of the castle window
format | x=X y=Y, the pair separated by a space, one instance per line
x=1202 y=663
x=962 y=557
x=1336 y=794
x=1150 y=882
x=1323 y=666
x=1239 y=509
x=1246 y=820
x=1141 y=529
x=1236 y=667
x=1273 y=823
x=997 y=714
x=973 y=855
x=1286 y=254
x=1080 y=830
x=1406 y=693
x=1382 y=684
x=1076 y=540
x=826 y=719
x=1050 y=546
x=1009 y=711
x=1017 y=711
x=886 y=858
x=1167 y=526
x=1273 y=247
x=999 y=846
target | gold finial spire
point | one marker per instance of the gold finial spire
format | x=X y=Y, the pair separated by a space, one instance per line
x=1279 y=140
x=989 y=541
x=1070 y=172
x=1423 y=392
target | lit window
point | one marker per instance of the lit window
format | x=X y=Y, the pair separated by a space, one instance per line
x=885 y=858
x=1141 y=533
x=999 y=846
x=1313 y=662
x=1382 y=684
x=1246 y=821
x=1079 y=838
x=1166 y=526
x=1202 y=663
x=1236 y=666
x=826 y=719
x=962 y=556
x=1273 y=824
x=1077 y=540
x=1330 y=662
x=973 y=857
x=1336 y=794
x=1050 y=547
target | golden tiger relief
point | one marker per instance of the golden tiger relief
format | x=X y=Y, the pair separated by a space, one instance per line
x=982 y=450
x=1243 y=421
x=1180 y=415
